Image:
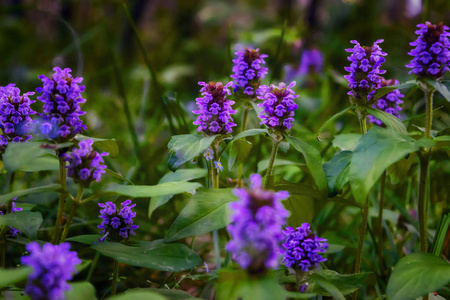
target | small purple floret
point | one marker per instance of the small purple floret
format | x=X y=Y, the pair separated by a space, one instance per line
x=117 y=224
x=389 y=103
x=248 y=71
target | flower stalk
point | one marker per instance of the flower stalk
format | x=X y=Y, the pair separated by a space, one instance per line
x=62 y=200
x=76 y=204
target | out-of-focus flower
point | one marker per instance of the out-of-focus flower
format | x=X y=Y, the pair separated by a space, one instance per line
x=3 y=210
x=248 y=71
x=389 y=103
x=311 y=62
x=256 y=227
x=214 y=109
x=53 y=266
x=209 y=154
x=117 y=224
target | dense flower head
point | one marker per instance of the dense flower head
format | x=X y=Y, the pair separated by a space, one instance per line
x=310 y=62
x=248 y=71
x=15 y=120
x=389 y=103
x=4 y=210
x=214 y=109
x=278 y=106
x=431 y=55
x=85 y=164
x=302 y=249
x=364 y=77
x=117 y=224
x=61 y=95
x=256 y=226
x=52 y=266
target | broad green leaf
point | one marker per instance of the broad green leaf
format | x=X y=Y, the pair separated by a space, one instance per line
x=417 y=274
x=169 y=294
x=105 y=145
x=21 y=155
x=264 y=164
x=118 y=176
x=186 y=147
x=179 y=175
x=313 y=162
x=330 y=120
x=380 y=92
x=44 y=163
x=441 y=234
x=139 y=295
x=250 y=132
x=301 y=209
x=376 y=151
x=11 y=276
x=206 y=211
x=333 y=248
x=81 y=290
x=145 y=191
x=19 y=193
x=398 y=171
x=441 y=88
x=334 y=284
x=26 y=221
x=389 y=120
x=442 y=141
x=347 y=141
x=239 y=151
x=88 y=239
x=325 y=287
x=84 y=264
x=155 y=255
x=335 y=170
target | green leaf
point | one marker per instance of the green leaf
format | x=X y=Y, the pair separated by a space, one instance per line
x=330 y=120
x=118 y=176
x=442 y=231
x=389 y=120
x=81 y=290
x=380 y=92
x=44 y=163
x=186 y=147
x=336 y=170
x=152 y=255
x=138 y=295
x=377 y=149
x=345 y=284
x=206 y=211
x=145 y=191
x=88 y=239
x=398 y=171
x=19 y=156
x=19 y=193
x=264 y=164
x=26 y=221
x=169 y=294
x=416 y=275
x=179 y=175
x=301 y=209
x=239 y=151
x=325 y=287
x=441 y=88
x=313 y=162
x=11 y=276
x=250 y=132
x=347 y=141
x=105 y=145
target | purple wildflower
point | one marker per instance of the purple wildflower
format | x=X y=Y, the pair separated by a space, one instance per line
x=364 y=70
x=52 y=266
x=248 y=71
x=117 y=224
x=209 y=154
x=85 y=164
x=311 y=62
x=15 y=120
x=256 y=228
x=214 y=109
x=4 y=210
x=279 y=106
x=389 y=103
x=61 y=95
x=218 y=165
x=302 y=249
x=431 y=55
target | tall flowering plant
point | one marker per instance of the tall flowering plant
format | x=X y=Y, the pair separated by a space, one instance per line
x=248 y=71
x=117 y=224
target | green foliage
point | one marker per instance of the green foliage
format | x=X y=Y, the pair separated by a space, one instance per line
x=36 y=190
x=331 y=283
x=11 y=276
x=336 y=170
x=81 y=290
x=26 y=221
x=145 y=191
x=104 y=145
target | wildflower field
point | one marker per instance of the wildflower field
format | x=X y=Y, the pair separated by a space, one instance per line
x=253 y=150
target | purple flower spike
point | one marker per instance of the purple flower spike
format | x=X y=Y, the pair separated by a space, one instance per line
x=302 y=249
x=61 y=95
x=53 y=266
x=364 y=70
x=256 y=226
x=389 y=103
x=311 y=62
x=117 y=224
x=248 y=71
x=431 y=55
x=85 y=164
x=279 y=106
x=15 y=120
x=214 y=109
x=3 y=210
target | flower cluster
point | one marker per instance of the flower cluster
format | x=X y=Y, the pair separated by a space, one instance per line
x=364 y=77
x=4 y=209
x=117 y=224
x=248 y=71
x=61 y=95
x=389 y=103
x=311 y=62
x=15 y=120
x=52 y=266
x=432 y=51
x=279 y=105
x=85 y=164
x=256 y=228
x=302 y=248
x=214 y=109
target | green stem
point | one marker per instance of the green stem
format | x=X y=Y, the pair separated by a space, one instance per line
x=380 y=223
x=273 y=155
x=429 y=111
x=424 y=166
x=4 y=229
x=245 y=117
x=75 y=206
x=115 y=277
x=62 y=200
x=93 y=265
x=215 y=185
